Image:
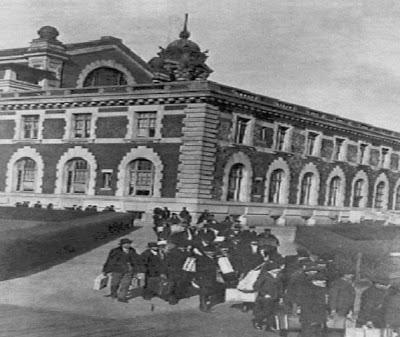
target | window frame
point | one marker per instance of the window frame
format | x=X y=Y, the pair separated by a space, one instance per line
x=135 y=173
x=286 y=140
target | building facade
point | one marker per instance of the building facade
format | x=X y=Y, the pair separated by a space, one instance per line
x=93 y=124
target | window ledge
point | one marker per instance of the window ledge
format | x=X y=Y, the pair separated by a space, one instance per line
x=78 y=140
x=27 y=140
x=142 y=139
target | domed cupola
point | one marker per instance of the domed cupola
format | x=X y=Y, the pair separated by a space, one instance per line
x=182 y=60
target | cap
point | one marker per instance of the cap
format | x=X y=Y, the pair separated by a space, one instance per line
x=124 y=241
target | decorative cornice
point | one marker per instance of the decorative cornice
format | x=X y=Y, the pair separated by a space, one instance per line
x=227 y=98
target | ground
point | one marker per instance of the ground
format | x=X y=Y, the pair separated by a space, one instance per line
x=59 y=301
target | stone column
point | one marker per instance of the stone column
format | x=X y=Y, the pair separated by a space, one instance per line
x=198 y=150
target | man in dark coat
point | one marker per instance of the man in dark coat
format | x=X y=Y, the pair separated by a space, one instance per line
x=206 y=276
x=155 y=269
x=180 y=282
x=185 y=215
x=342 y=295
x=269 y=291
x=372 y=305
x=205 y=233
x=313 y=315
x=122 y=262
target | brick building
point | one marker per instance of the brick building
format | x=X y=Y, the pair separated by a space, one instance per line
x=92 y=123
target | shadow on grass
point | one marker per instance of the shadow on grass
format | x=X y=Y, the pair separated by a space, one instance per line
x=27 y=251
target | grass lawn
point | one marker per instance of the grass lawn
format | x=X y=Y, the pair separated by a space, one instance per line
x=34 y=239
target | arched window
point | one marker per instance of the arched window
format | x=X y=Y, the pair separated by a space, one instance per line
x=334 y=190
x=306 y=188
x=275 y=186
x=235 y=182
x=357 y=192
x=397 y=201
x=104 y=76
x=25 y=170
x=141 y=177
x=379 y=195
x=77 y=176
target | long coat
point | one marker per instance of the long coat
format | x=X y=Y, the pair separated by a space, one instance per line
x=313 y=305
x=341 y=296
x=153 y=264
x=120 y=262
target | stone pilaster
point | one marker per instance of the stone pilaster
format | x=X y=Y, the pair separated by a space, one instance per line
x=198 y=150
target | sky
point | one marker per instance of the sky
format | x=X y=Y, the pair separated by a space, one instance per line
x=340 y=57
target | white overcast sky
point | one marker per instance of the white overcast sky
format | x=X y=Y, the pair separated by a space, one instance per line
x=340 y=57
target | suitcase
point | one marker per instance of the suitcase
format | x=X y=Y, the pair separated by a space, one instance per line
x=190 y=264
x=336 y=322
x=164 y=288
x=246 y=284
x=368 y=332
x=235 y=295
x=100 y=282
x=225 y=265
x=288 y=322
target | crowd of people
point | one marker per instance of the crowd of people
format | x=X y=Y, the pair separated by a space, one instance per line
x=300 y=291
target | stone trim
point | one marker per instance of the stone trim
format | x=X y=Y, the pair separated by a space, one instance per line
x=360 y=175
x=76 y=152
x=279 y=163
x=136 y=153
x=104 y=63
x=336 y=171
x=382 y=177
x=31 y=153
x=315 y=183
x=245 y=188
x=396 y=186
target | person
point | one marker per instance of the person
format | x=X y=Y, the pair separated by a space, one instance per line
x=155 y=269
x=205 y=233
x=185 y=215
x=269 y=291
x=206 y=276
x=166 y=213
x=175 y=258
x=372 y=305
x=267 y=234
x=313 y=314
x=204 y=216
x=341 y=296
x=37 y=205
x=392 y=307
x=122 y=262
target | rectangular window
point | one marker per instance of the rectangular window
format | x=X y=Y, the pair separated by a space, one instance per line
x=264 y=134
x=384 y=157
x=338 y=149
x=281 y=136
x=311 y=143
x=362 y=153
x=106 y=178
x=81 y=125
x=146 y=124
x=30 y=127
x=240 y=132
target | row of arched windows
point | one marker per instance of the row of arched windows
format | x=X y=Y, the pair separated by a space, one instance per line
x=76 y=176
x=277 y=188
x=141 y=175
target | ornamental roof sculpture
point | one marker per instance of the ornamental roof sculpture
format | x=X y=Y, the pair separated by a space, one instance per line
x=182 y=60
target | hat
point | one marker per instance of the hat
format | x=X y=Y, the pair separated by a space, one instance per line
x=152 y=244
x=124 y=241
x=161 y=242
